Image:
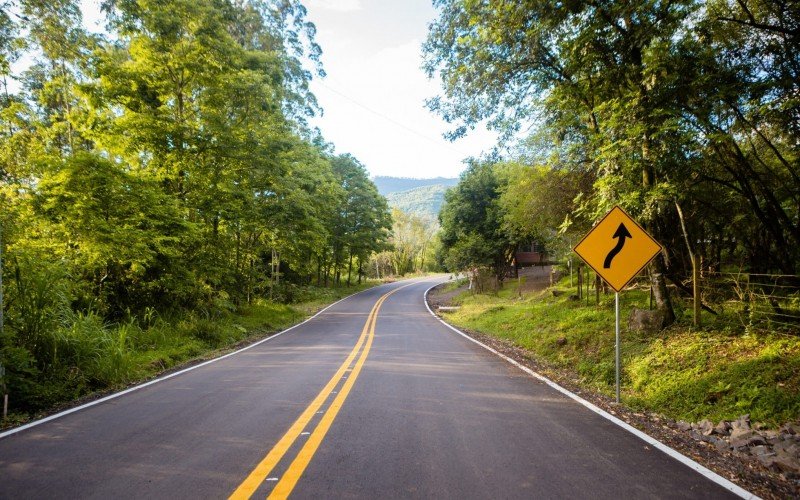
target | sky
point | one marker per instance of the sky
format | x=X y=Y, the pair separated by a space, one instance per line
x=374 y=92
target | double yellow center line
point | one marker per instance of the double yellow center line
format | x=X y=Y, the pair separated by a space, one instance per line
x=289 y=479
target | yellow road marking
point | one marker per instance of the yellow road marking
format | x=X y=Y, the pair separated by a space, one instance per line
x=259 y=474
x=298 y=466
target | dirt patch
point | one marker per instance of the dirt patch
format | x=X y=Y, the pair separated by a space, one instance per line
x=437 y=297
x=534 y=278
x=531 y=280
x=745 y=471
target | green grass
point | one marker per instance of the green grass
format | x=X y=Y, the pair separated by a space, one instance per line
x=715 y=372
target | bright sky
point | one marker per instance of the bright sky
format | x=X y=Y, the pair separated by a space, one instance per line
x=373 y=97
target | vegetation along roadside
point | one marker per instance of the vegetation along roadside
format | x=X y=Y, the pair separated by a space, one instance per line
x=92 y=357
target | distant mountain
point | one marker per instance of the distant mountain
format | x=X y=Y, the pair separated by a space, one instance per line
x=389 y=185
x=423 y=201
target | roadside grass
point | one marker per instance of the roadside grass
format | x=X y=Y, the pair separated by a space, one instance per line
x=718 y=371
x=454 y=285
x=97 y=357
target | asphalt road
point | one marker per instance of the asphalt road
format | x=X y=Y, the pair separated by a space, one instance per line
x=363 y=401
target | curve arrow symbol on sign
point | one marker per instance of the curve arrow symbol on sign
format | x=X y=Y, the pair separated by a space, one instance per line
x=621 y=233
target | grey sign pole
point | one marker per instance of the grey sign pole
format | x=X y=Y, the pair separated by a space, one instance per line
x=616 y=308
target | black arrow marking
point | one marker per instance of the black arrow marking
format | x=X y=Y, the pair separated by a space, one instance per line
x=621 y=233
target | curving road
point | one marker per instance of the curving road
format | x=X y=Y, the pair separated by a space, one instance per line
x=373 y=398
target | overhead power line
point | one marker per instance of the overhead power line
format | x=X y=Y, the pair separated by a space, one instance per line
x=393 y=121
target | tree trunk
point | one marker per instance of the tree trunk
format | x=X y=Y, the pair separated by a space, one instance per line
x=598 y=283
x=250 y=282
x=350 y=269
x=695 y=271
x=1 y=283
x=660 y=291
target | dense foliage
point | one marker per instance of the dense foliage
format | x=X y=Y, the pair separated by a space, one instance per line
x=164 y=166
x=414 y=242
x=686 y=113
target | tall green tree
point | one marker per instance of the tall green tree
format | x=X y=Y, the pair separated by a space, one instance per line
x=472 y=223
x=361 y=223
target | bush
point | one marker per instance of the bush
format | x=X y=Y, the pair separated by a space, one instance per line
x=37 y=298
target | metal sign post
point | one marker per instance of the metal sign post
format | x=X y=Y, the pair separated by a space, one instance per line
x=617 y=248
x=616 y=330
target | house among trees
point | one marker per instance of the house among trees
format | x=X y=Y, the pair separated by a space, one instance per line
x=530 y=254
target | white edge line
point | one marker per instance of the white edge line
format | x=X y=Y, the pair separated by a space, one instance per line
x=709 y=474
x=64 y=413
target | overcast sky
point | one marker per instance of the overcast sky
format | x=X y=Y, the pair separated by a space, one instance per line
x=373 y=97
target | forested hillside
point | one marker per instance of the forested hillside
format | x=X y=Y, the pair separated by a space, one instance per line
x=162 y=170
x=415 y=210
x=424 y=201
x=388 y=185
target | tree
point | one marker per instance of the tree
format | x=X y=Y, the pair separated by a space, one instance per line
x=602 y=74
x=538 y=202
x=471 y=221
x=166 y=166
x=115 y=228
x=360 y=224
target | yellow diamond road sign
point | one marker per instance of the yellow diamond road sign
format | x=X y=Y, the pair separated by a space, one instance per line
x=617 y=248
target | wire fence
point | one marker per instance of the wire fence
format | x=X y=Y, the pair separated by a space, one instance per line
x=758 y=302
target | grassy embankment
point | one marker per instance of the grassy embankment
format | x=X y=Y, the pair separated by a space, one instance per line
x=718 y=371
x=95 y=356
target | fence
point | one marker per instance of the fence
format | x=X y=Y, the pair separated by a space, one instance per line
x=758 y=302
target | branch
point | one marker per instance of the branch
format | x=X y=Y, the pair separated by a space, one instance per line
x=685 y=288
x=761 y=26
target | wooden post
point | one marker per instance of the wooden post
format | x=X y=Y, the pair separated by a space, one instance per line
x=597 y=285
x=569 y=263
x=580 y=281
x=587 y=285
x=695 y=267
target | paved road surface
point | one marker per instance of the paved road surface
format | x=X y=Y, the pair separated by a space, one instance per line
x=374 y=398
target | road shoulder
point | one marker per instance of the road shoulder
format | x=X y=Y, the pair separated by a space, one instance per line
x=746 y=475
